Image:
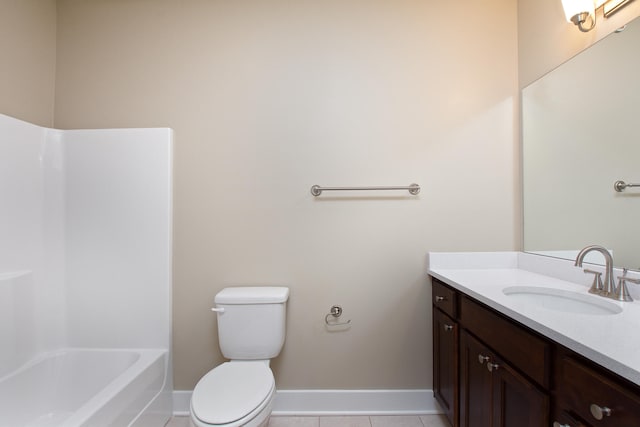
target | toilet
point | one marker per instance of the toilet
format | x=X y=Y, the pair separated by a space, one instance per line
x=251 y=331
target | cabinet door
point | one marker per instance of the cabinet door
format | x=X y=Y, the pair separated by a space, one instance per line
x=445 y=364
x=516 y=401
x=493 y=394
x=475 y=383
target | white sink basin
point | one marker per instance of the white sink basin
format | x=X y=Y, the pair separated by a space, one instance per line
x=561 y=300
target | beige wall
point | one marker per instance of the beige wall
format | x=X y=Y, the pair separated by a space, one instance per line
x=546 y=39
x=27 y=67
x=268 y=98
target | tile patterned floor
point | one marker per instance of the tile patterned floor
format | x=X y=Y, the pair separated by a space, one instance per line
x=353 y=421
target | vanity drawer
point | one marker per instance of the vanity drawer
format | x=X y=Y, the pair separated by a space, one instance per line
x=444 y=298
x=580 y=387
x=530 y=353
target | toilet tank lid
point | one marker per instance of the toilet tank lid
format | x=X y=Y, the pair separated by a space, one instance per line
x=253 y=295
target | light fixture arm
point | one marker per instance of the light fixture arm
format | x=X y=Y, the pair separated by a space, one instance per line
x=581 y=18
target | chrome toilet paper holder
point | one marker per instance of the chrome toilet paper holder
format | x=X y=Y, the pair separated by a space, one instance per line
x=335 y=311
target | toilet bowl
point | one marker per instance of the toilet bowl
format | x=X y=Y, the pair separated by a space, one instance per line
x=251 y=331
x=237 y=393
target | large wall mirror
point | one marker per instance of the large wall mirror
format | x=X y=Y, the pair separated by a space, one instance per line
x=581 y=133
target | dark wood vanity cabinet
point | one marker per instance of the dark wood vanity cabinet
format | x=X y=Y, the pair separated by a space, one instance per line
x=475 y=378
x=445 y=351
x=490 y=371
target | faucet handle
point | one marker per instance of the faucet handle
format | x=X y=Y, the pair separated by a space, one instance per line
x=622 y=293
x=624 y=277
x=597 y=287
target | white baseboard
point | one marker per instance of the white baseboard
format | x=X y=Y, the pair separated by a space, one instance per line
x=181 y=402
x=339 y=402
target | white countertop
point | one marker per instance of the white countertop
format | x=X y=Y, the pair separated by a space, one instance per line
x=611 y=340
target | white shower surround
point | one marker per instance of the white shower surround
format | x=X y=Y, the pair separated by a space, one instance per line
x=85 y=243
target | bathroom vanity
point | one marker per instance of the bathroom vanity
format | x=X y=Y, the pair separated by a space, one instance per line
x=508 y=359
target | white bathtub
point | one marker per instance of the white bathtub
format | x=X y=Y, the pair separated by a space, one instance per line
x=86 y=387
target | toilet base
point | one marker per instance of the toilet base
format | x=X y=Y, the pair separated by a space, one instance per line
x=264 y=423
x=261 y=419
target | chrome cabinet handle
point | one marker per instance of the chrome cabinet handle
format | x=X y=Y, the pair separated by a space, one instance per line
x=492 y=366
x=557 y=424
x=440 y=298
x=448 y=328
x=482 y=358
x=599 y=412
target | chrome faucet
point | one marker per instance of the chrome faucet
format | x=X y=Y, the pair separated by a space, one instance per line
x=609 y=285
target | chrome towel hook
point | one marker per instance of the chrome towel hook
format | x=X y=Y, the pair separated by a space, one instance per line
x=335 y=311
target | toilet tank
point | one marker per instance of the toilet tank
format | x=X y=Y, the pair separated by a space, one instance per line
x=251 y=324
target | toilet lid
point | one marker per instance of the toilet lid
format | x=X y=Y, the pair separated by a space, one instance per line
x=231 y=391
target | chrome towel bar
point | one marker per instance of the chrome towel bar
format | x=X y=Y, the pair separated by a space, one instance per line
x=620 y=186
x=316 y=190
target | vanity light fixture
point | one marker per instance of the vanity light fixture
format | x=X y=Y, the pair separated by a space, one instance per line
x=580 y=12
x=583 y=12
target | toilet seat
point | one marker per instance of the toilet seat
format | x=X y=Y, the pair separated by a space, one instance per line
x=231 y=392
